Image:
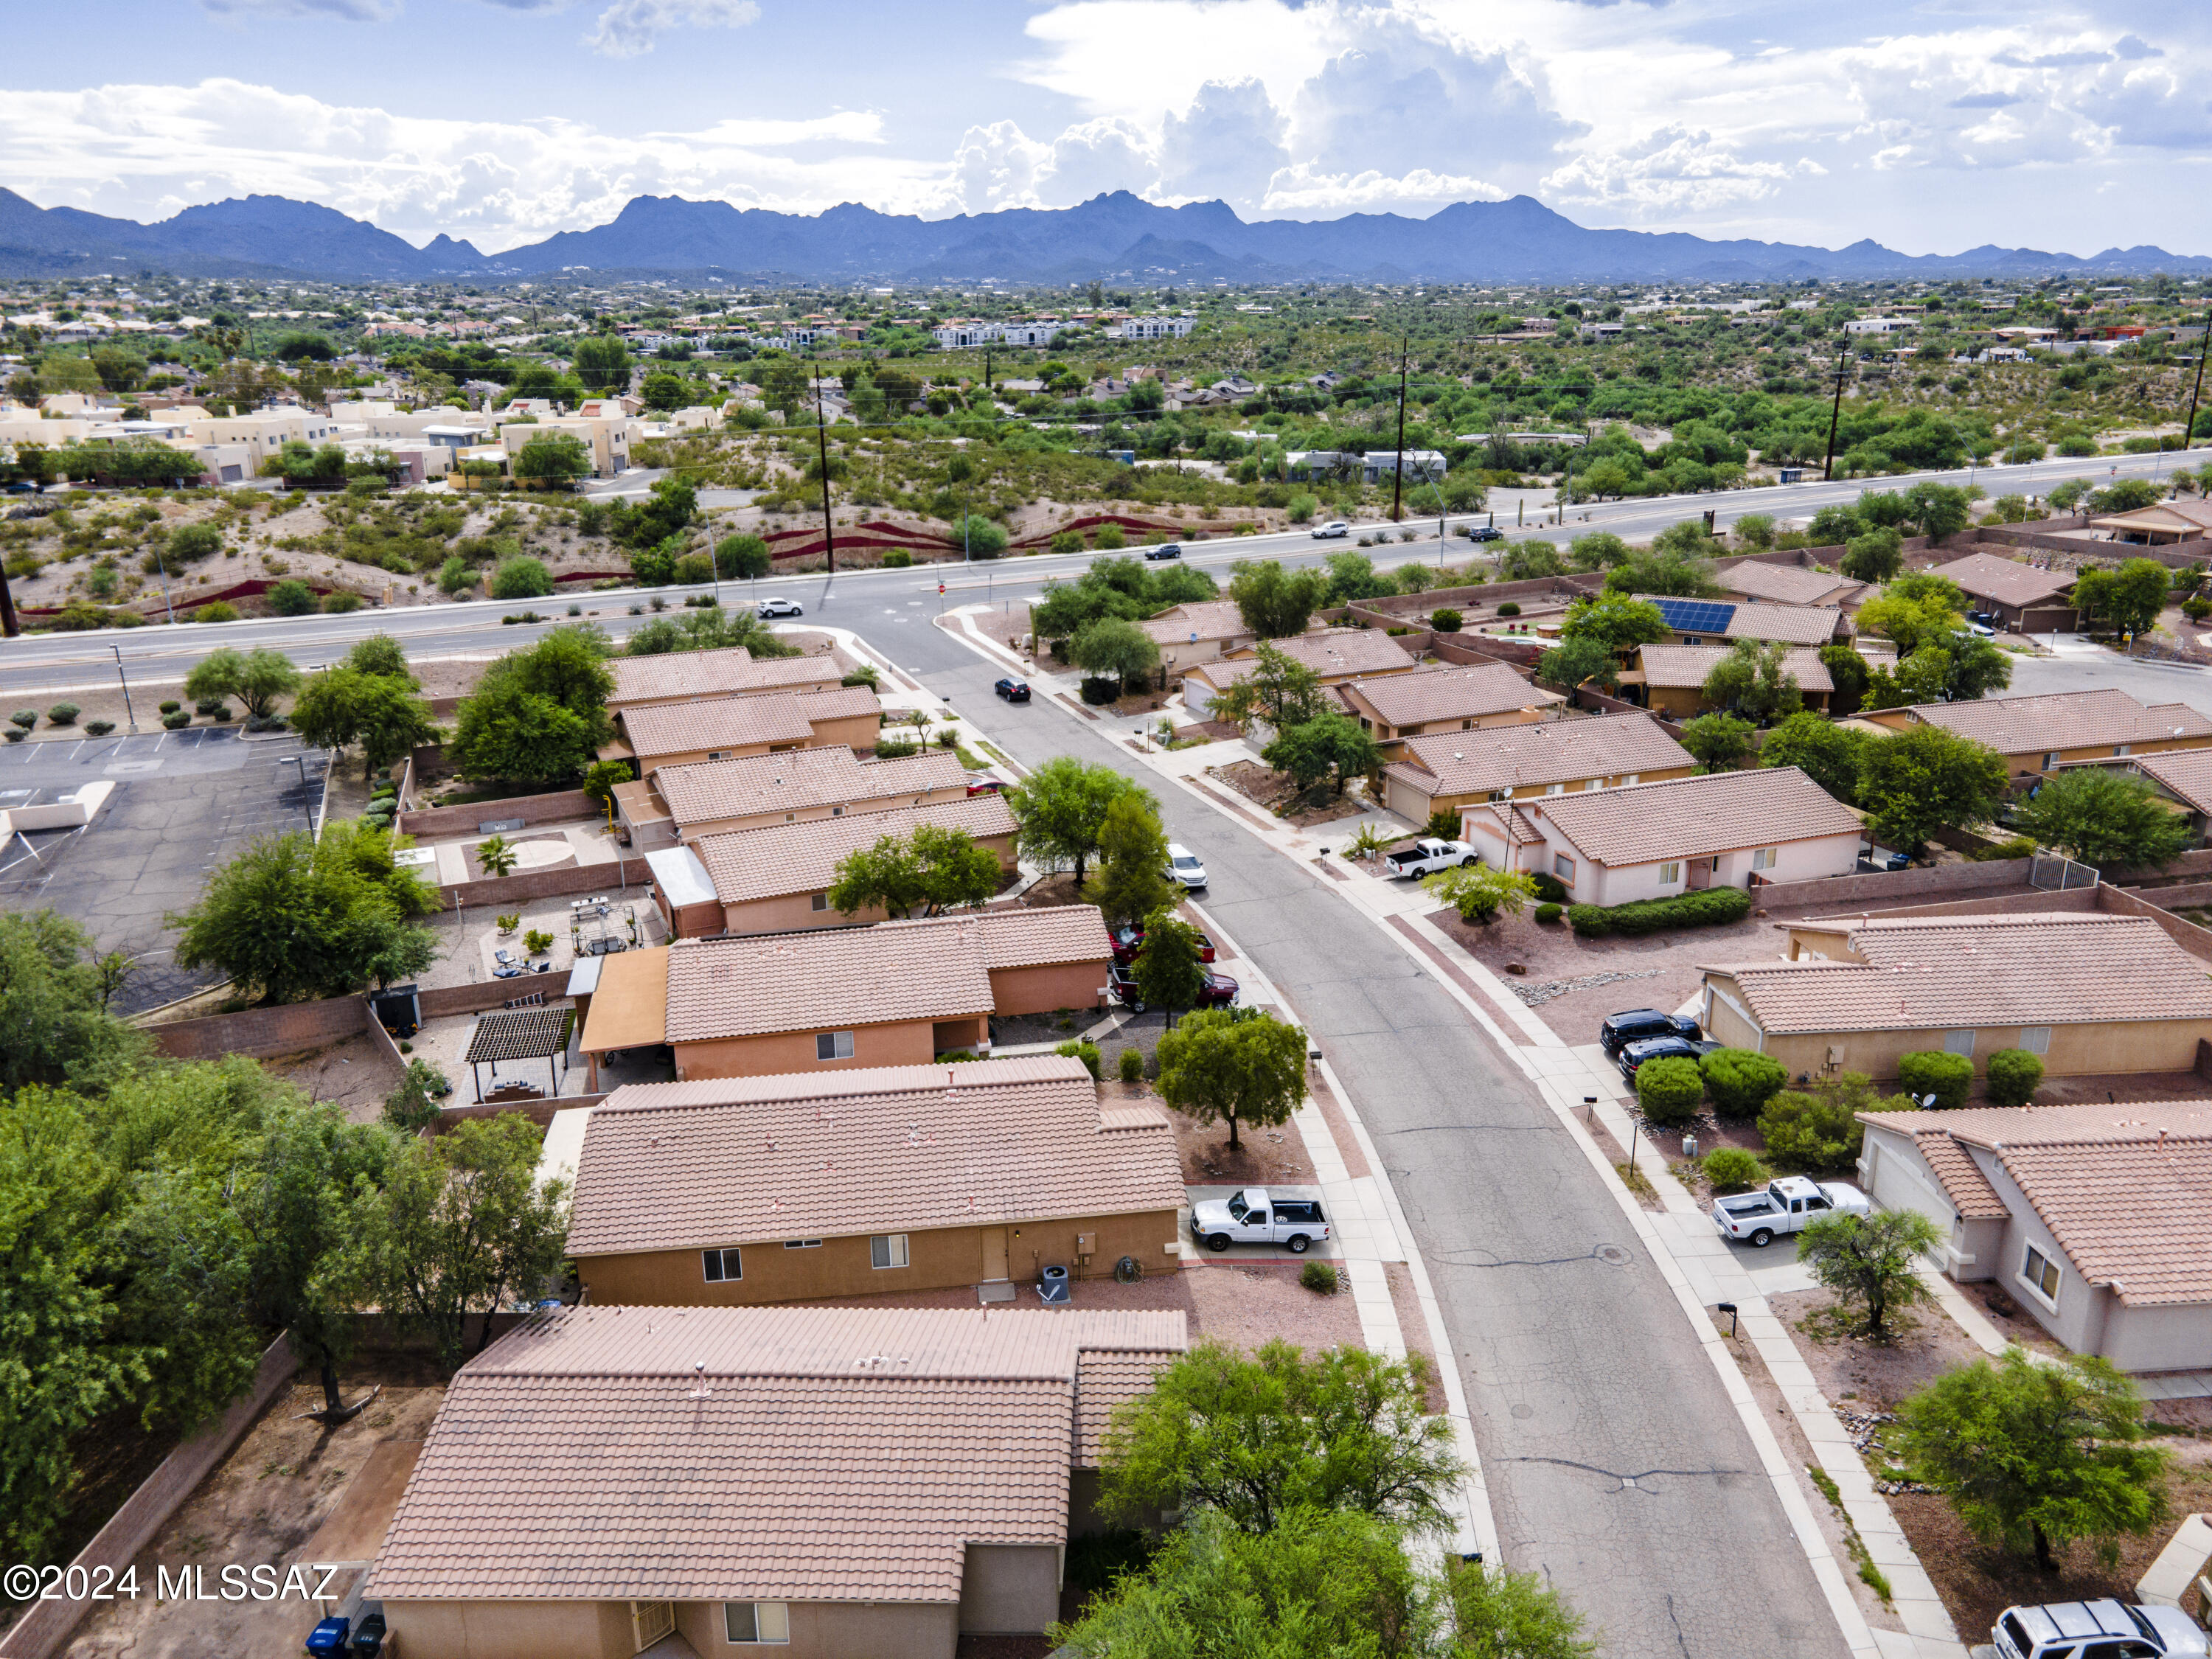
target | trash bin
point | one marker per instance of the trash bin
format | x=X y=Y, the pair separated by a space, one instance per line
x=1054 y=1285
x=1689 y=1146
x=368 y=1638
x=328 y=1640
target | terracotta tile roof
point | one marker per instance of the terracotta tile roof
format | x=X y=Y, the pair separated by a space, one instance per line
x=2007 y=582
x=675 y=728
x=1690 y=817
x=2064 y=719
x=1449 y=693
x=1334 y=654
x=2183 y=516
x=2186 y=772
x=1513 y=825
x=1783 y=584
x=752 y=1454
x=1677 y=665
x=800 y=780
x=1948 y=973
x=1550 y=751
x=1211 y=619
x=935 y=970
x=1962 y=1179
x=903 y=1149
x=1792 y=625
x=1103 y=1381
x=803 y=858
x=725 y=672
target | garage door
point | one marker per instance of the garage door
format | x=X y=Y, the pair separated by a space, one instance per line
x=1408 y=802
x=1900 y=1182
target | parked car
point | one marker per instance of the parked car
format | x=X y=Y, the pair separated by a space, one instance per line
x=1184 y=868
x=1427 y=856
x=1255 y=1216
x=1786 y=1206
x=1334 y=527
x=1635 y=1025
x=981 y=785
x=1219 y=991
x=778 y=607
x=1013 y=691
x=2111 y=1630
x=1486 y=532
x=1164 y=551
x=1659 y=1048
x=1129 y=941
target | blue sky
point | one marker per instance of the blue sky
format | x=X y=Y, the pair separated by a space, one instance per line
x=1929 y=126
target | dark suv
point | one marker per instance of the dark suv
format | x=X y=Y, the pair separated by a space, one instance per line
x=1659 y=1048
x=1635 y=1025
x=1013 y=691
x=1219 y=991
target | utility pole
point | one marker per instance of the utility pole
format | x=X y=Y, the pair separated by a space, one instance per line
x=1398 y=472
x=1836 y=414
x=2188 y=432
x=130 y=718
x=822 y=439
x=8 y=627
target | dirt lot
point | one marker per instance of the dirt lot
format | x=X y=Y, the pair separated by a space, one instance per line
x=1274 y=791
x=356 y=1074
x=1976 y=1581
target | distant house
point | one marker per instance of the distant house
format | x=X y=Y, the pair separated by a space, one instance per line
x=2093 y=1217
x=2161 y=525
x=2183 y=776
x=689 y=803
x=683 y=677
x=1719 y=621
x=2036 y=734
x=1655 y=840
x=1669 y=679
x=1442 y=698
x=655 y=735
x=1451 y=771
x=2024 y=600
x=860 y=1483
x=2084 y=993
x=1157 y=328
x=1754 y=580
x=1334 y=656
x=1198 y=632
x=793 y=1188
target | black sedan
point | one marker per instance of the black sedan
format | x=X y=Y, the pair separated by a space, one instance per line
x=1013 y=691
x=1665 y=1047
x=1486 y=532
x=1635 y=1025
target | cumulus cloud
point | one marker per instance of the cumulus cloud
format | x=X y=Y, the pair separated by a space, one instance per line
x=628 y=28
x=1092 y=157
x=996 y=167
x=1304 y=190
x=1228 y=144
x=350 y=11
x=1675 y=168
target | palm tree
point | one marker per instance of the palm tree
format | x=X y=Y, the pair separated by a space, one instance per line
x=497 y=855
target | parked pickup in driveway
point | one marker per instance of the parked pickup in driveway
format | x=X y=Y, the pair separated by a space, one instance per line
x=1256 y=1215
x=1785 y=1207
x=1426 y=858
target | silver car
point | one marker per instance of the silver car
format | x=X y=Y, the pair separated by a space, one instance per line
x=1184 y=868
x=1333 y=527
x=2097 y=1630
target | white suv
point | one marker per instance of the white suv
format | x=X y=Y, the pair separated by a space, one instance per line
x=2097 y=1630
x=1184 y=868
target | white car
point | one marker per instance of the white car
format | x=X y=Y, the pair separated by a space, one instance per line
x=778 y=608
x=1333 y=527
x=1427 y=856
x=1786 y=1206
x=1184 y=868
x=2096 y=1630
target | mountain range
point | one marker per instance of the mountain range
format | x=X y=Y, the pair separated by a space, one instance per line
x=1116 y=237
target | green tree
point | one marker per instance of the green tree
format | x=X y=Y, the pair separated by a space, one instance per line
x=291 y=598
x=1169 y=972
x=1527 y=561
x=1940 y=509
x=1274 y=603
x=1258 y=1438
x=190 y=543
x=496 y=856
x=1911 y=621
x=1598 y=550
x=602 y=362
x=558 y=456
x=1923 y=778
x=1352 y=576
x=519 y=576
x=1874 y=556
x=257 y=678
x=380 y=712
x=1820 y=1131
x=1848 y=673
x=1824 y=751
x=1674 y=572
x=1276 y=688
x=380 y=654
x=461 y=1224
x=1616 y=621
x=1133 y=855
x=1330 y=741
x=538 y=714
x=1754 y=680
x=1233 y=1066
x=980 y=537
x=1575 y=662
x=2124 y=495
x=1112 y=646
x=1479 y=893
x=2130 y=597
x=662 y=390
x=930 y=866
x=1869 y=1261
x=53 y=1004
x=1498 y=1613
x=1062 y=811
x=742 y=557
x=599 y=782
x=2108 y=819
x=2035 y=1453
x=1719 y=741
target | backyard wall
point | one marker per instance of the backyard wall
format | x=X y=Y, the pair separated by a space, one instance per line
x=561 y=804
x=504 y=892
x=260 y=1033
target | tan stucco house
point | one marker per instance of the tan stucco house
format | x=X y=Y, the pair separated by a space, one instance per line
x=731 y=671
x=1441 y=698
x=711 y=798
x=2024 y=598
x=1670 y=679
x=655 y=735
x=1198 y=632
x=1451 y=771
x=2036 y=734
x=1334 y=656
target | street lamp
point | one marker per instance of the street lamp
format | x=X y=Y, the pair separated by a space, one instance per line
x=131 y=717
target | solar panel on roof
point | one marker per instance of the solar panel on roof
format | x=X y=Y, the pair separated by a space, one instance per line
x=1696 y=615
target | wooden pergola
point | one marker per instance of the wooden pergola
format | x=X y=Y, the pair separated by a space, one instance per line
x=522 y=1034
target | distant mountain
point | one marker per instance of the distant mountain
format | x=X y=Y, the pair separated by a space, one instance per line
x=1116 y=237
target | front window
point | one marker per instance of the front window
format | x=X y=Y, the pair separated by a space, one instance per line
x=2041 y=1273
x=721 y=1265
x=1564 y=868
x=1764 y=857
x=1958 y=1042
x=820 y=901
x=834 y=1045
x=1669 y=874
x=2051 y=760
x=2035 y=1039
x=887 y=1250
x=746 y=1622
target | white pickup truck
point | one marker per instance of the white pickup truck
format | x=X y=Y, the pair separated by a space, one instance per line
x=1787 y=1205
x=1426 y=858
x=1256 y=1215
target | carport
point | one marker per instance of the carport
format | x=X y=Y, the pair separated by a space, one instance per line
x=521 y=1033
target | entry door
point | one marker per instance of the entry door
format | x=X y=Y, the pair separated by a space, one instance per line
x=649 y=1621
x=994 y=1254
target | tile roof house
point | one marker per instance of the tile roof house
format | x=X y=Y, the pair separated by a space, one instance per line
x=1700 y=622
x=1443 y=698
x=2093 y=1217
x=2086 y=993
x=1674 y=678
x=853 y=1481
x=1655 y=840
x=898 y=994
x=682 y=676
x=2184 y=776
x=2036 y=734
x=689 y=803
x=2161 y=525
x=2023 y=598
x=1334 y=654
x=788 y=1188
x=1787 y=584
x=779 y=877
x=655 y=735
x=1452 y=770
x=1198 y=632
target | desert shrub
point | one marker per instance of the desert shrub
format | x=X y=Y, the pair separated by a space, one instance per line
x=1446 y=620
x=178 y=722
x=1816 y=1132
x=1550 y=887
x=216 y=610
x=336 y=604
x=1100 y=689
x=1730 y=1168
x=1131 y=1065
x=25 y=718
x=1670 y=1090
x=2014 y=1074
x=1067 y=541
x=1318 y=1277
x=1548 y=913
x=694 y=568
x=1442 y=825
x=1946 y=1076
x=1741 y=1082
x=896 y=748
x=1509 y=609
x=1714 y=907
x=63 y=714
x=1086 y=1051
x=291 y=598
x=537 y=941
x=172 y=705
x=2020 y=846
x=897 y=559
x=99 y=728
x=1111 y=536
x=521 y=577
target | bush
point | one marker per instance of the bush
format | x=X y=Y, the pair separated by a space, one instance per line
x=1132 y=1066
x=1067 y=541
x=1100 y=689
x=897 y=559
x=1443 y=825
x=2014 y=1074
x=1446 y=620
x=1111 y=536
x=1946 y=1076
x=1814 y=1132
x=537 y=941
x=1318 y=1277
x=1714 y=907
x=99 y=728
x=695 y=568
x=1509 y=609
x=1670 y=1090
x=1548 y=913
x=2020 y=846
x=1549 y=887
x=178 y=722
x=216 y=610
x=1741 y=1082
x=2197 y=609
x=63 y=714
x=896 y=748
x=172 y=705
x=1086 y=1051
x=292 y=598
x=1731 y=1169
x=25 y=718
x=521 y=577
x=337 y=604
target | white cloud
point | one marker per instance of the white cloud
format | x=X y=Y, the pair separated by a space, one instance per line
x=1302 y=190
x=1094 y=156
x=350 y=11
x=996 y=167
x=1227 y=144
x=628 y=28
x=1672 y=169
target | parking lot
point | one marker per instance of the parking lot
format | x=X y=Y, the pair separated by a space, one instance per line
x=185 y=804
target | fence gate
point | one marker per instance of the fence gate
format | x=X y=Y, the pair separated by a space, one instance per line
x=2053 y=874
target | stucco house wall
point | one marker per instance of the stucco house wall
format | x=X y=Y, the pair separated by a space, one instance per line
x=1010 y=1588
x=1042 y=990
x=898 y=1042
